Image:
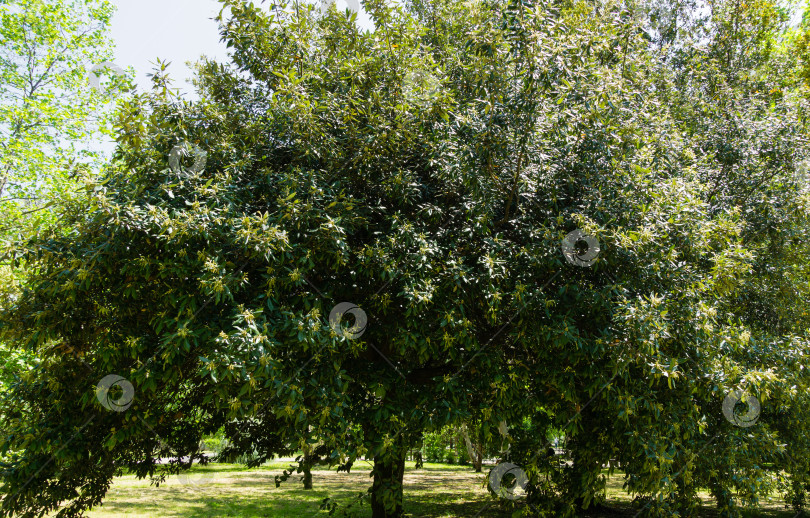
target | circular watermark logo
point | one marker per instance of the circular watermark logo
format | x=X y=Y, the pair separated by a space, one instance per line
x=580 y=249
x=506 y=478
x=184 y=150
x=94 y=75
x=420 y=87
x=347 y=308
x=352 y=5
x=107 y=389
x=747 y=419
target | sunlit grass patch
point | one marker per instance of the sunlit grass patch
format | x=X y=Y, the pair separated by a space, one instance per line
x=436 y=491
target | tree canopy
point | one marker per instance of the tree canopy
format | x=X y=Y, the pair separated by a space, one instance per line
x=567 y=215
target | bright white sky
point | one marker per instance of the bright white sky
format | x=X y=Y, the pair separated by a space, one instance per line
x=173 y=30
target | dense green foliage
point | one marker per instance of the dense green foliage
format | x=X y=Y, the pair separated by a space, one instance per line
x=429 y=171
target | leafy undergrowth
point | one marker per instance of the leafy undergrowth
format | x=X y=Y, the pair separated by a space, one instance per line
x=436 y=491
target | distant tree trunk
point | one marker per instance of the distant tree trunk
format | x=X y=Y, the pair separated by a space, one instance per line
x=475 y=450
x=478 y=461
x=306 y=466
x=386 y=491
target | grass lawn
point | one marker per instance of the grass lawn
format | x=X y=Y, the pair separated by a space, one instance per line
x=437 y=490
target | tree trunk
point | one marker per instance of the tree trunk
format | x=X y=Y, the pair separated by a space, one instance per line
x=307 y=476
x=306 y=466
x=474 y=449
x=386 y=491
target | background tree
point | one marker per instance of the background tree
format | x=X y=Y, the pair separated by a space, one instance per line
x=50 y=120
x=49 y=115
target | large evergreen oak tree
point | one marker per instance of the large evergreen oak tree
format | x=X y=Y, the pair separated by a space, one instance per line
x=428 y=173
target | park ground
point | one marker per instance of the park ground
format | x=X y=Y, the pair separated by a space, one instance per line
x=436 y=491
